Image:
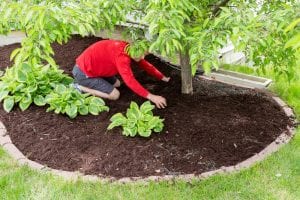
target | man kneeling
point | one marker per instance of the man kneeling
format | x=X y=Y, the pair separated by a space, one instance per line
x=97 y=66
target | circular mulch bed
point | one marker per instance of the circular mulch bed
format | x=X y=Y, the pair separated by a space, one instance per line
x=220 y=125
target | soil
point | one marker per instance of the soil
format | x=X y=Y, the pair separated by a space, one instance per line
x=219 y=125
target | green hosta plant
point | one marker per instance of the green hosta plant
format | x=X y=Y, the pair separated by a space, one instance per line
x=25 y=84
x=67 y=100
x=138 y=120
x=41 y=85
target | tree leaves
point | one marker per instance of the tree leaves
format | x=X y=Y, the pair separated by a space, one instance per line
x=292 y=25
x=293 y=42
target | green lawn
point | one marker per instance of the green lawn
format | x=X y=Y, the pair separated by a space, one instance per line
x=278 y=177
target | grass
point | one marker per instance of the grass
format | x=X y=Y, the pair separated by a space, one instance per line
x=277 y=177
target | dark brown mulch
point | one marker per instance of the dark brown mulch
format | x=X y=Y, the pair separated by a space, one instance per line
x=220 y=125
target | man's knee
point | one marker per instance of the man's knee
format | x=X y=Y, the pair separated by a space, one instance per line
x=114 y=95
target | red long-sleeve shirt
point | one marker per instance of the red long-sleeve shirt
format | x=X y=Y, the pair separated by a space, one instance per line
x=108 y=57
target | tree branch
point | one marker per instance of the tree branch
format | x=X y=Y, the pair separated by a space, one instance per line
x=217 y=9
x=137 y=23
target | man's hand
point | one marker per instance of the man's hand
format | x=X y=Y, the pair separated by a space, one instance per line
x=165 y=79
x=159 y=101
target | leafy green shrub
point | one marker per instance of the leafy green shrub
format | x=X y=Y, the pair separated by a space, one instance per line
x=41 y=85
x=294 y=42
x=67 y=100
x=25 y=84
x=137 y=120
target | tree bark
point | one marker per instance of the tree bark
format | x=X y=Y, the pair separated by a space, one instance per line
x=186 y=73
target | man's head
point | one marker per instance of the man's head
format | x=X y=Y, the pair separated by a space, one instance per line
x=137 y=52
x=140 y=57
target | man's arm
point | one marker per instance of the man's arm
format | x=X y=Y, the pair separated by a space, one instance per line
x=151 y=70
x=124 y=69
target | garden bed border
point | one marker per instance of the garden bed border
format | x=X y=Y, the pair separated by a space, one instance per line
x=21 y=159
x=282 y=139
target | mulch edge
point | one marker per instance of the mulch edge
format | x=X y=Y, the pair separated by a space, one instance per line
x=282 y=139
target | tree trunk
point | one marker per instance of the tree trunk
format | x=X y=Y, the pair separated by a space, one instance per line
x=186 y=73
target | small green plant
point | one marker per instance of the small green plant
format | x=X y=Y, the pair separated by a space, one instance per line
x=67 y=100
x=138 y=120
